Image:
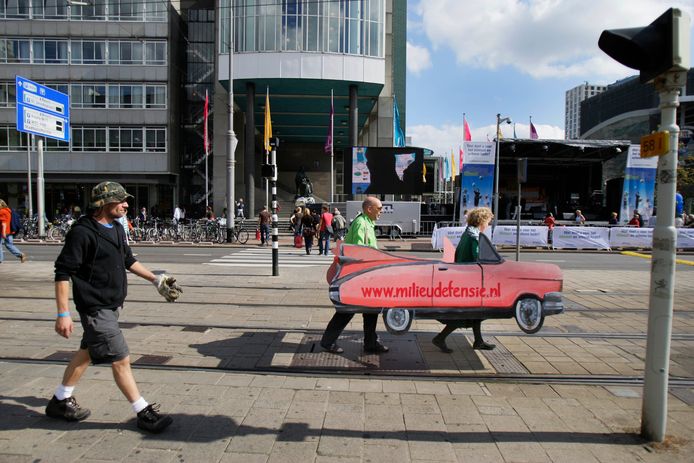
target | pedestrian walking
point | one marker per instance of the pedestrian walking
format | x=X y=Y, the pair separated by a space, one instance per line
x=264 y=222
x=7 y=232
x=362 y=231
x=308 y=229
x=467 y=251
x=94 y=258
x=339 y=225
x=325 y=230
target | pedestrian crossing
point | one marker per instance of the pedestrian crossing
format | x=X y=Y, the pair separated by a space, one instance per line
x=262 y=257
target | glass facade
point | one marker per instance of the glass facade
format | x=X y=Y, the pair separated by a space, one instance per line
x=354 y=27
x=92 y=10
x=94 y=139
x=49 y=51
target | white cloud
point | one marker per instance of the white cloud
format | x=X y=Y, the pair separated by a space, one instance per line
x=442 y=139
x=418 y=58
x=542 y=38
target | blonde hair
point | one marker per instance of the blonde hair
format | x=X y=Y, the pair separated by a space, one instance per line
x=479 y=215
x=3 y=204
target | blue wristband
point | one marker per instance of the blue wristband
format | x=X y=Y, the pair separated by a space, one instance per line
x=64 y=314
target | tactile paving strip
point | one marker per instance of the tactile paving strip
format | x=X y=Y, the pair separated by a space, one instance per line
x=502 y=360
x=404 y=355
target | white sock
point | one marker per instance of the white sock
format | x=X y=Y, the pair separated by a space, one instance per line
x=139 y=405
x=63 y=392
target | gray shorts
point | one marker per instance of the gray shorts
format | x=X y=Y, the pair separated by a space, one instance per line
x=102 y=336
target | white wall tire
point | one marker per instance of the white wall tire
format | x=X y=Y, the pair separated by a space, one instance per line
x=398 y=321
x=529 y=315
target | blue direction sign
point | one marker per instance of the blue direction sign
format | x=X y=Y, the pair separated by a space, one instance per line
x=42 y=110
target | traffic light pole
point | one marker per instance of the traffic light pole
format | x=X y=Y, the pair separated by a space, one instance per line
x=660 y=304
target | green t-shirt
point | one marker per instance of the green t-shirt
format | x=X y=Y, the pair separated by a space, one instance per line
x=362 y=232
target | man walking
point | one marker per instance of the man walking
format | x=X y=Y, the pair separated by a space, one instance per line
x=360 y=232
x=7 y=233
x=94 y=258
x=325 y=230
x=264 y=222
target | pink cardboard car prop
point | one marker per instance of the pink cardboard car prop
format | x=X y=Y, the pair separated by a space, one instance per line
x=367 y=280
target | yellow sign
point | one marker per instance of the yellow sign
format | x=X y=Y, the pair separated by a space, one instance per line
x=655 y=144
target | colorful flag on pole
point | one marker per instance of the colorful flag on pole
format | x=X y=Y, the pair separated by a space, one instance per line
x=454 y=167
x=205 y=132
x=467 y=136
x=328 y=148
x=533 y=130
x=424 y=172
x=398 y=134
x=499 y=134
x=268 y=122
x=461 y=157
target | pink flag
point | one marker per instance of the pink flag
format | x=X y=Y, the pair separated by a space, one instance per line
x=533 y=131
x=206 y=110
x=328 y=148
x=467 y=136
x=460 y=154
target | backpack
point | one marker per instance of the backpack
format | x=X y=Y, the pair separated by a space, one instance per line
x=16 y=221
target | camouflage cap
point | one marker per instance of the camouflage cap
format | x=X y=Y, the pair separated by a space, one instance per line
x=108 y=192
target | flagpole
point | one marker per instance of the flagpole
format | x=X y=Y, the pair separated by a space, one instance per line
x=267 y=153
x=332 y=147
x=207 y=153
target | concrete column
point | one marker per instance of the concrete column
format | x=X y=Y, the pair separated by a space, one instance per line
x=249 y=150
x=353 y=116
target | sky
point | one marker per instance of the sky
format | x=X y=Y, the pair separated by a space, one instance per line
x=513 y=57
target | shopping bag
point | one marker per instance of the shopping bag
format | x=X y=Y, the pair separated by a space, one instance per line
x=298 y=242
x=257 y=235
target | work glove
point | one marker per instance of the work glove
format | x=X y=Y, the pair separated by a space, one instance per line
x=167 y=287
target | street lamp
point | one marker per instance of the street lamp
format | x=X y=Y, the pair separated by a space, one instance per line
x=231 y=136
x=499 y=120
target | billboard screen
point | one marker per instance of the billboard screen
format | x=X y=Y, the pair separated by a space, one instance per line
x=384 y=170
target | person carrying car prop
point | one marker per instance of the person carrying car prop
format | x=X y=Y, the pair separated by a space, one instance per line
x=94 y=258
x=468 y=250
x=362 y=231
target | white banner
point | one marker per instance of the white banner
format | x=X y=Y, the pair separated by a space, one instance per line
x=634 y=159
x=453 y=234
x=631 y=237
x=581 y=237
x=505 y=235
x=685 y=238
x=478 y=152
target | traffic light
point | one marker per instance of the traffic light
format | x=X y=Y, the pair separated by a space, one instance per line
x=655 y=49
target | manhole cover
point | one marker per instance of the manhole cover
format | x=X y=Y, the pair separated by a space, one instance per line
x=404 y=355
x=502 y=360
x=152 y=360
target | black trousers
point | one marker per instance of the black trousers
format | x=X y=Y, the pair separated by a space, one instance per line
x=340 y=320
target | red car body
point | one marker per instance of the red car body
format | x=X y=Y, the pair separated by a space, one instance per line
x=364 y=279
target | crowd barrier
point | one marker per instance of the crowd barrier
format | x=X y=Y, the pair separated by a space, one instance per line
x=604 y=238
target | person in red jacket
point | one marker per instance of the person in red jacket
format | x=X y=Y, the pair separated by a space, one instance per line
x=7 y=234
x=635 y=220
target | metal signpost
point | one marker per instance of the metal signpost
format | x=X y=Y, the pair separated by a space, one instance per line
x=44 y=112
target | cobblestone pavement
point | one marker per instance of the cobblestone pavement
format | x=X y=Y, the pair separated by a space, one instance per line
x=235 y=364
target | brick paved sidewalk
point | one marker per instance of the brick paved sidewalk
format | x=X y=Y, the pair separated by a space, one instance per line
x=229 y=417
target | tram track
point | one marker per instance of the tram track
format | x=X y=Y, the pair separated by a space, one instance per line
x=546 y=333
x=583 y=380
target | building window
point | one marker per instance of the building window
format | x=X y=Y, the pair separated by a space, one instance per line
x=48 y=9
x=155 y=140
x=155 y=96
x=88 y=96
x=95 y=10
x=88 y=52
x=15 y=51
x=14 y=9
x=89 y=139
x=50 y=51
x=127 y=10
x=8 y=95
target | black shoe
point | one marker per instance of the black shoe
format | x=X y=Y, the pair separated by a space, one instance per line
x=333 y=348
x=441 y=344
x=376 y=349
x=151 y=420
x=67 y=409
x=483 y=346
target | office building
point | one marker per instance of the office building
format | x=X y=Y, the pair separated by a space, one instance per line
x=572 y=108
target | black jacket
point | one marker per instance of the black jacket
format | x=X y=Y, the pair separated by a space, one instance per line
x=96 y=265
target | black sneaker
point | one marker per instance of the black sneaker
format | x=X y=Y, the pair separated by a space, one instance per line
x=67 y=409
x=151 y=420
x=377 y=348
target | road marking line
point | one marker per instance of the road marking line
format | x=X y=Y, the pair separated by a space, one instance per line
x=646 y=256
x=199 y=255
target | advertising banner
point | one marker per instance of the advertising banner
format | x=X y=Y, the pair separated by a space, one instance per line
x=631 y=237
x=453 y=234
x=477 y=186
x=385 y=170
x=685 y=238
x=581 y=238
x=533 y=236
x=639 y=186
